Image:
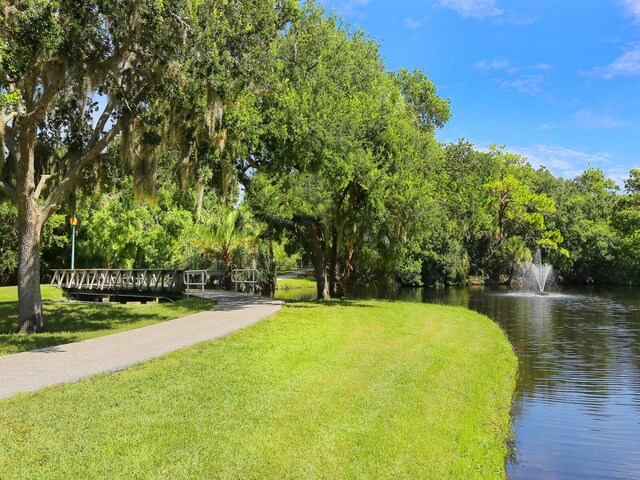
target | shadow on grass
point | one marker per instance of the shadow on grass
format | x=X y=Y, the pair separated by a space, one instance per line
x=16 y=343
x=67 y=322
x=340 y=302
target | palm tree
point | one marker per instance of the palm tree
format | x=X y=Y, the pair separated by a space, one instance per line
x=224 y=233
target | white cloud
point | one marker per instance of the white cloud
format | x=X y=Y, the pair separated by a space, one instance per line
x=527 y=84
x=585 y=118
x=504 y=64
x=628 y=65
x=511 y=76
x=479 y=9
x=347 y=7
x=411 y=22
x=543 y=66
x=569 y=163
x=632 y=7
x=499 y=63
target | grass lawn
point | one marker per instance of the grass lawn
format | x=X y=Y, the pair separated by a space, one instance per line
x=295 y=283
x=341 y=390
x=67 y=322
x=10 y=294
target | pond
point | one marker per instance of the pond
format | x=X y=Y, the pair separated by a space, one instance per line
x=577 y=410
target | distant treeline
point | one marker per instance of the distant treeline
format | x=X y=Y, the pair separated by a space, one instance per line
x=261 y=145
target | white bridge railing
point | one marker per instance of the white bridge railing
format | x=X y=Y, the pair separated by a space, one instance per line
x=151 y=281
x=157 y=281
x=199 y=279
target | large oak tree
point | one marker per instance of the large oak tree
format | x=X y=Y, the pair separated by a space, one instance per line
x=78 y=75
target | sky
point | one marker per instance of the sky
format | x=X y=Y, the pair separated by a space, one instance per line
x=557 y=81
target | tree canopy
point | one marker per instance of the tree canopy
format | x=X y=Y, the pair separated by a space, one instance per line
x=148 y=116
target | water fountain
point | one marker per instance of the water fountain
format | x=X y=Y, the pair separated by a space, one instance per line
x=538 y=274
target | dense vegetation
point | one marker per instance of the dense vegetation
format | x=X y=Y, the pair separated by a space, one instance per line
x=253 y=133
x=321 y=391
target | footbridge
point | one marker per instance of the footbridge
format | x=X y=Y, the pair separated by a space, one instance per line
x=148 y=284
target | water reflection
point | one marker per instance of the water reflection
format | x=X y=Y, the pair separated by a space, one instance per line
x=577 y=411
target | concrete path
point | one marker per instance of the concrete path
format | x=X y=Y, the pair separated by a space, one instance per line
x=30 y=371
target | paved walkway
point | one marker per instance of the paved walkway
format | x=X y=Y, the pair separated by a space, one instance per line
x=30 y=371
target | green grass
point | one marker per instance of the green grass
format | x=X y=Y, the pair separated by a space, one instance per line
x=10 y=294
x=343 y=390
x=294 y=283
x=67 y=322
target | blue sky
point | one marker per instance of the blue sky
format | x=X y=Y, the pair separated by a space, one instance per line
x=557 y=81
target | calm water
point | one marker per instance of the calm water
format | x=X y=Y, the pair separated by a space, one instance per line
x=577 y=412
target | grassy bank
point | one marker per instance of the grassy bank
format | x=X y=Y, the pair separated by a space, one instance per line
x=296 y=289
x=363 y=389
x=67 y=322
x=295 y=283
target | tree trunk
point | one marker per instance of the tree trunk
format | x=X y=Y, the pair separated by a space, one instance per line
x=29 y=296
x=322 y=281
x=319 y=263
x=30 y=223
x=334 y=270
x=272 y=274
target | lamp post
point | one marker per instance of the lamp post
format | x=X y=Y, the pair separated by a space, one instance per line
x=74 y=221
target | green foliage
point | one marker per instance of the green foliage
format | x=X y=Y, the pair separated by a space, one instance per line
x=296 y=110
x=8 y=242
x=626 y=221
x=420 y=94
x=493 y=216
x=342 y=160
x=226 y=234
x=283 y=258
x=115 y=231
x=585 y=208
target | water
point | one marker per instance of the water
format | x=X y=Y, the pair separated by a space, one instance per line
x=577 y=409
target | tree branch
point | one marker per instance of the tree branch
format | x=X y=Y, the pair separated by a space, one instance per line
x=185 y=25
x=112 y=63
x=41 y=185
x=71 y=178
x=102 y=121
x=40 y=110
x=8 y=191
x=9 y=117
x=10 y=141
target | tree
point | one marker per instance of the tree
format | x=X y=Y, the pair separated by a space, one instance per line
x=626 y=221
x=626 y=216
x=519 y=214
x=65 y=64
x=223 y=233
x=117 y=231
x=342 y=157
x=585 y=215
x=77 y=75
